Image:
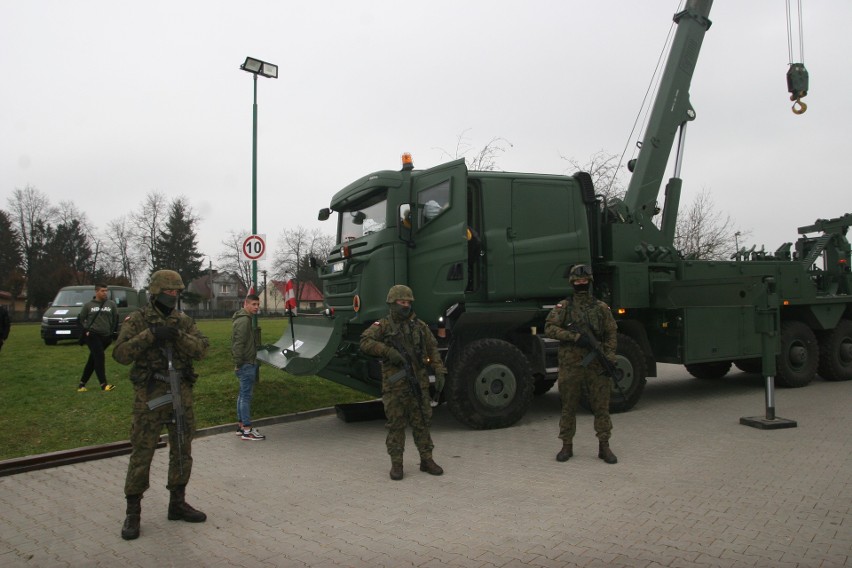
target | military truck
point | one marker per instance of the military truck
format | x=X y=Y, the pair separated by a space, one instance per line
x=60 y=319
x=488 y=254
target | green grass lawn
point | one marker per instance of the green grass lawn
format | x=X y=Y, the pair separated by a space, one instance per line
x=41 y=410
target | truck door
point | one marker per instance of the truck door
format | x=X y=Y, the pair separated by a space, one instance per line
x=548 y=235
x=437 y=263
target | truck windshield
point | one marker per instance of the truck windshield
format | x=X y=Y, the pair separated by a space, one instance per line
x=73 y=297
x=365 y=217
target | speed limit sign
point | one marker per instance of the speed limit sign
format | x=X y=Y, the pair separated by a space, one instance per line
x=254 y=247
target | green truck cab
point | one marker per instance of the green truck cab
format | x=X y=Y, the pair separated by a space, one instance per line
x=60 y=321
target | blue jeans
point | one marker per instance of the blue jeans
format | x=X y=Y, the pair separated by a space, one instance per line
x=247 y=374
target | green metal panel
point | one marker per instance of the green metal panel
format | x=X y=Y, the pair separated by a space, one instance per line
x=497 y=216
x=720 y=333
x=548 y=235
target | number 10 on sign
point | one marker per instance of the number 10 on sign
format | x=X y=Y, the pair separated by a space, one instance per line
x=254 y=247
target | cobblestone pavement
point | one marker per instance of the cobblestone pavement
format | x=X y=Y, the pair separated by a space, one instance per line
x=692 y=487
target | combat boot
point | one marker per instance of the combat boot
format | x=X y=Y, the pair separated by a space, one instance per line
x=396 y=470
x=130 y=530
x=180 y=510
x=566 y=453
x=429 y=466
x=606 y=454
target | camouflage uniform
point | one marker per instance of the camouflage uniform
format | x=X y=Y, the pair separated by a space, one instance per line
x=401 y=407
x=136 y=344
x=588 y=313
x=144 y=336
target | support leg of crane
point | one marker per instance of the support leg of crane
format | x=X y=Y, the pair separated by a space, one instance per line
x=769 y=421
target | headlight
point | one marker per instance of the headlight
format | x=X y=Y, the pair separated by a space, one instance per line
x=337 y=267
x=44 y=320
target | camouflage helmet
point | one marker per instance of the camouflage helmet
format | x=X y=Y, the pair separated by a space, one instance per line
x=164 y=280
x=580 y=271
x=400 y=292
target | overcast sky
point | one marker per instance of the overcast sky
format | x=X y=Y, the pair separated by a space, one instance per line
x=102 y=101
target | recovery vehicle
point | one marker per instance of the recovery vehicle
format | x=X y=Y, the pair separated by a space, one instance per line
x=488 y=253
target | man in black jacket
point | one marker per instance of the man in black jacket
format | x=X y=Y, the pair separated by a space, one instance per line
x=99 y=319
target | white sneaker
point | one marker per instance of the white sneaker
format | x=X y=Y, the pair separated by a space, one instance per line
x=252 y=434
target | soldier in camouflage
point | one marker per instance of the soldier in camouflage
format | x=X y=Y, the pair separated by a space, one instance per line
x=145 y=336
x=401 y=329
x=571 y=321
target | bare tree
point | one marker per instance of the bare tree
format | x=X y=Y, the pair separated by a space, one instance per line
x=483 y=160
x=604 y=169
x=147 y=224
x=292 y=260
x=121 y=259
x=703 y=232
x=31 y=211
x=230 y=259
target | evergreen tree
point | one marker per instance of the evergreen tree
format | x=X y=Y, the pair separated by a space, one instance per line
x=11 y=259
x=177 y=243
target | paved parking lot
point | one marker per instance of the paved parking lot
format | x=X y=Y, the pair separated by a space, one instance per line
x=692 y=487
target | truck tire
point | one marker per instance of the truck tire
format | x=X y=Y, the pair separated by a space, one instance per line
x=543 y=385
x=753 y=366
x=835 y=352
x=711 y=370
x=491 y=386
x=797 y=363
x=631 y=360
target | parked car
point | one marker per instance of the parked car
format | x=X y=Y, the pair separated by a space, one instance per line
x=60 y=319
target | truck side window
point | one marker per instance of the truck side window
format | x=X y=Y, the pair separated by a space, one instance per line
x=431 y=202
x=120 y=298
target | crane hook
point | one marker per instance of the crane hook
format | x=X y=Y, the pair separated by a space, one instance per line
x=802 y=106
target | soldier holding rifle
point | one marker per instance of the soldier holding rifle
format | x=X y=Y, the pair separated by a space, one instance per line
x=407 y=348
x=160 y=342
x=583 y=324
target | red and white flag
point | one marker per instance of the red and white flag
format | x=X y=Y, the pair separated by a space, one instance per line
x=290 y=297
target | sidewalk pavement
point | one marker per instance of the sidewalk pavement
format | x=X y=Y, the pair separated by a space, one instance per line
x=692 y=487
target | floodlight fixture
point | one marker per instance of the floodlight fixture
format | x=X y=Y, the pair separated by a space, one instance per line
x=258 y=67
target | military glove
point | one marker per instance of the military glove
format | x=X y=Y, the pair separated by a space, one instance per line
x=165 y=333
x=440 y=381
x=395 y=358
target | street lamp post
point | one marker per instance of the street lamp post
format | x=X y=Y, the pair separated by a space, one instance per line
x=256 y=67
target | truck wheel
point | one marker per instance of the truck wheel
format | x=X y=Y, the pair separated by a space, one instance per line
x=631 y=361
x=712 y=370
x=491 y=386
x=799 y=357
x=754 y=366
x=835 y=352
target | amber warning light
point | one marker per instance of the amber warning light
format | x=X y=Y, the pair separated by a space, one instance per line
x=407 y=162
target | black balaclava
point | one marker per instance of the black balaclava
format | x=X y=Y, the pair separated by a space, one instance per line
x=165 y=302
x=399 y=312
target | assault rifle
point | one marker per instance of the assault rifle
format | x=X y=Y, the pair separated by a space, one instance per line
x=407 y=372
x=595 y=352
x=173 y=398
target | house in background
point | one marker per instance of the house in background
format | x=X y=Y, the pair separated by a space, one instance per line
x=308 y=296
x=220 y=291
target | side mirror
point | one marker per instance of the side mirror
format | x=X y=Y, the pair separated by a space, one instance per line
x=312 y=261
x=358 y=217
x=324 y=214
